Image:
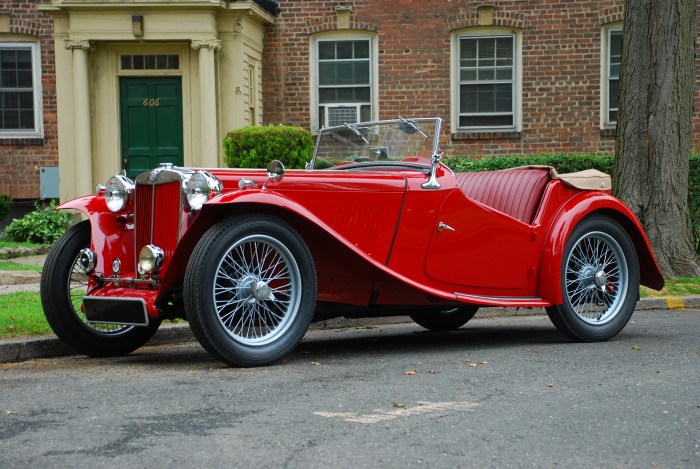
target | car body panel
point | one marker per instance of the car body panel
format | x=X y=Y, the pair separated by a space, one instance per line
x=487 y=249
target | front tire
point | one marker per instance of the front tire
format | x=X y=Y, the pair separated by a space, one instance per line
x=250 y=290
x=600 y=281
x=446 y=319
x=63 y=287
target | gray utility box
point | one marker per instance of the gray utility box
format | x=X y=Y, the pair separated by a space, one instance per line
x=48 y=183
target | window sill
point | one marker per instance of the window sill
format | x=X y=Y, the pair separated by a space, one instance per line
x=487 y=135
x=15 y=140
x=608 y=132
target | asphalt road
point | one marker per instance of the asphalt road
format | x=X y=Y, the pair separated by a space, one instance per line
x=502 y=392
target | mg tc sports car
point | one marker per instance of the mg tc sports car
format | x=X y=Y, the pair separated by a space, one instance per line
x=376 y=225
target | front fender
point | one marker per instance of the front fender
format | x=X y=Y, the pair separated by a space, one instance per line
x=248 y=201
x=231 y=204
x=109 y=237
x=575 y=210
x=88 y=205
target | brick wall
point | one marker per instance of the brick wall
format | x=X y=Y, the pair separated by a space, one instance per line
x=561 y=67
x=21 y=159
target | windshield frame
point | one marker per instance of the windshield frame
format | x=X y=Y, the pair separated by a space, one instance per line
x=413 y=122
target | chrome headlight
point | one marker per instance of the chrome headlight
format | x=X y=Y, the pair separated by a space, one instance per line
x=151 y=258
x=200 y=187
x=117 y=192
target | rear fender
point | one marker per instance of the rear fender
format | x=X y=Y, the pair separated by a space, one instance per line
x=575 y=210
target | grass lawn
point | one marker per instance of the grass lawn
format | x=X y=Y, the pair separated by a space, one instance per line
x=681 y=286
x=13 y=244
x=10 y=265
x=21 y=315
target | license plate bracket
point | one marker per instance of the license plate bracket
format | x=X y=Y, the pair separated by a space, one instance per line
x=126 y=311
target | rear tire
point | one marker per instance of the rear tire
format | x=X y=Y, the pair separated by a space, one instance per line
x=600 y=281
x=250 y=290
x=446 y=319
x=63 y=287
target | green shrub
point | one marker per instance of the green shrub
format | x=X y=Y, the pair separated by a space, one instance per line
x=256 y=147
x=5 y=204
x=40 y=226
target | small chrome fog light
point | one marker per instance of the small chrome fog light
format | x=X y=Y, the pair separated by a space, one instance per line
x=151 y=258
x=86 y=261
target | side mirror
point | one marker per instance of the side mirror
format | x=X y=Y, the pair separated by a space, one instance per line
x=275 y=173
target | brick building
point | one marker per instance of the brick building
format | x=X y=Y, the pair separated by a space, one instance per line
x=28 y=127
x=529 y=76
x=93 y=87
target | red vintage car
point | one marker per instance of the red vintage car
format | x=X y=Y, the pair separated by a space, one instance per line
x=376 y=225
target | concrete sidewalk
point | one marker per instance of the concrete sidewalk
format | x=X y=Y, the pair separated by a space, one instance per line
x=49 y=346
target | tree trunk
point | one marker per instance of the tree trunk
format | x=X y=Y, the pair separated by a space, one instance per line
x=657 y=83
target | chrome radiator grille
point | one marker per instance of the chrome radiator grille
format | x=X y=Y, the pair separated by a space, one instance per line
x=158 y=210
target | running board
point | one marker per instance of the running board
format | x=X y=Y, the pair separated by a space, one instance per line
x=514 y=301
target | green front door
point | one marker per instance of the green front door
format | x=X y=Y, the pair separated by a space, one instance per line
x=151 y=123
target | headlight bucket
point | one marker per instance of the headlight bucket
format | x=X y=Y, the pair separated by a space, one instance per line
x=117 y=192
x=200 y=187
x=151 y=258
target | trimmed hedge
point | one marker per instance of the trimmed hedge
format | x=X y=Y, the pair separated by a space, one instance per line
x=694 y=198
x=257 y=146
x=569 y=163
x=563 y=163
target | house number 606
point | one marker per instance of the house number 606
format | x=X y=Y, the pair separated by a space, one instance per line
x=153 y=102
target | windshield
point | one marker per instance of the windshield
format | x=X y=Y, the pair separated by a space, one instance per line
x=392 y=140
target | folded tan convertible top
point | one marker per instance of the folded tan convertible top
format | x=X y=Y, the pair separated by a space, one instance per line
x=589 y=179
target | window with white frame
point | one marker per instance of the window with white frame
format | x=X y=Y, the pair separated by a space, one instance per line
x=486 y=81
x=344 y=81
x=613 y=57
x=20 y=90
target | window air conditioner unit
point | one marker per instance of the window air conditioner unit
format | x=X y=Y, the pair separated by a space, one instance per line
x=344 y=114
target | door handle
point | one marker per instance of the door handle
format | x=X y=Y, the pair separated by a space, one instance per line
x=443 y=226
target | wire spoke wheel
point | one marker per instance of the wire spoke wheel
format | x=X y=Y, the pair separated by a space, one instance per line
x=596 y=277
x=256 y=290
x=250 y=289
x=599 y=281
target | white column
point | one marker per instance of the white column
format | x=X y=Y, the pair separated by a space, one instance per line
x=81 y=118
x=209 y=149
